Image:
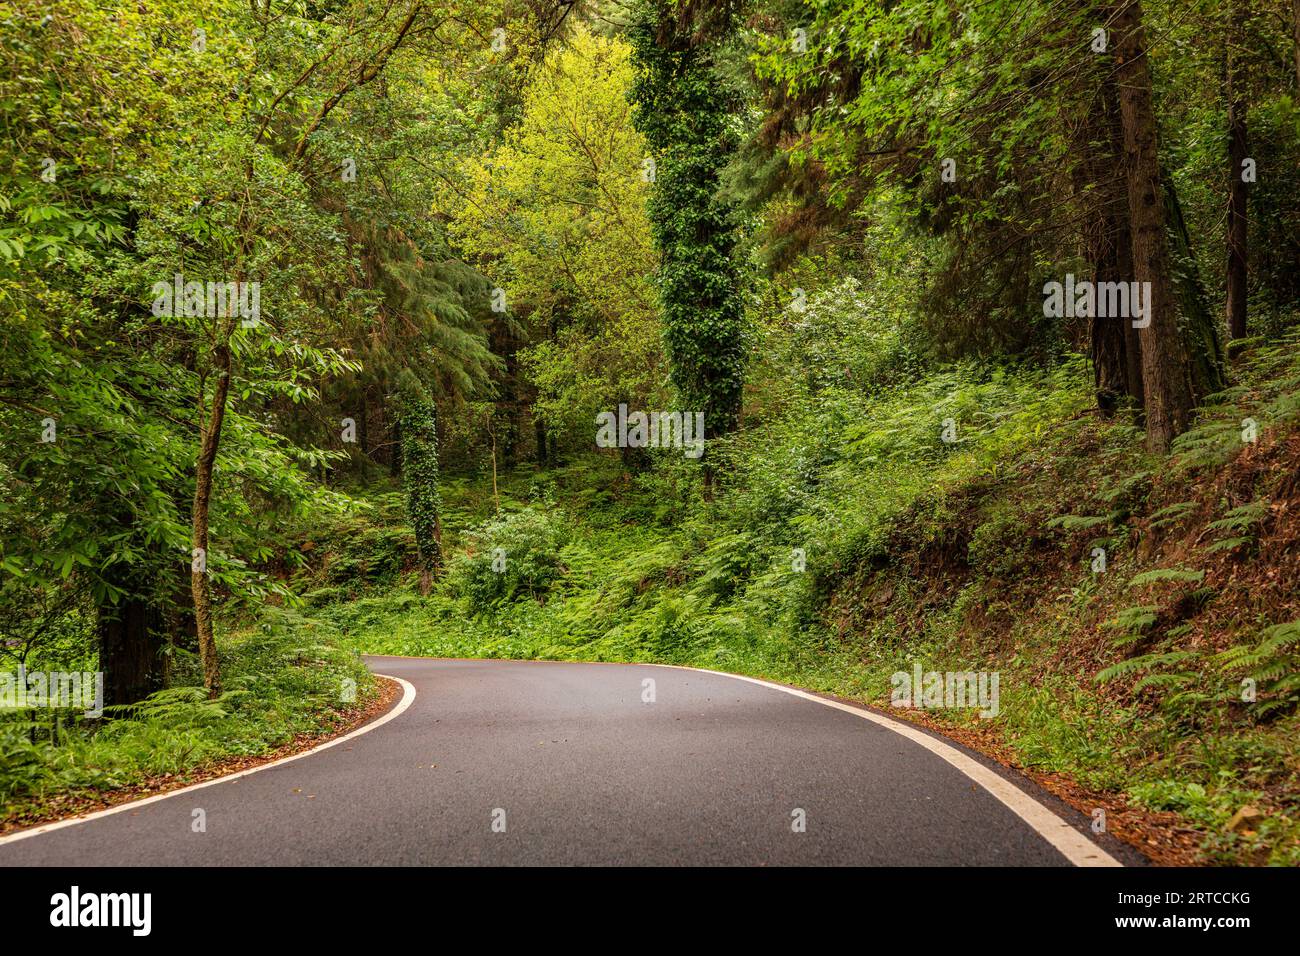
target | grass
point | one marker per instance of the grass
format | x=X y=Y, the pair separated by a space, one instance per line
x=285 y=677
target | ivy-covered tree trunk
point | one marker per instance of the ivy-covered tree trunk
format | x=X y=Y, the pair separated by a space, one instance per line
x=683 y=108
x=416 y=422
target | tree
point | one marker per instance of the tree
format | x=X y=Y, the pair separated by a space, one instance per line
x=1108 y=247
x=556 y=213
x=1238 y=150
x=415 y=417
x=1166 y=377
x=133 y=385
x=683 y=109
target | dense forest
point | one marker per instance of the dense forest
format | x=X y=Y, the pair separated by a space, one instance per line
x=809 y=339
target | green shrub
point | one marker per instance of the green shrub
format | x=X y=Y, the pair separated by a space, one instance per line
x=511 y=556
x=286 y=677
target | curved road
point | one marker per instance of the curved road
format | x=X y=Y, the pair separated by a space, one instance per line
x=516 y=762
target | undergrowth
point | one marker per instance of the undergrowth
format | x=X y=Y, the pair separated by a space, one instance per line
x=284 y=677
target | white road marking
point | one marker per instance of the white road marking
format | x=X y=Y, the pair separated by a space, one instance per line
x=1068 y=841
x=1071 y=844
x=408 y=698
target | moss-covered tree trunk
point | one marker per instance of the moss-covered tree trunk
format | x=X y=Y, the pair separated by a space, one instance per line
x=214 y=420
x=417 y=424
x=683 y=110
x=1108 y=247
x=1202 y=340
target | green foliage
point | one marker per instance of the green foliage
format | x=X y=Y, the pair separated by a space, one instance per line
x=919 y=460
x=998 y=545
x=1157 y=575
x=1144 y=663
x=512 y=556
x=415 y=422
x=1242 y=518
x=1172 y=514
x=1274 y=663
x=683 y=110
x=285 y=678
x=1078 y=522
x=556 y=214
x=1133 y=622
x=890 y=520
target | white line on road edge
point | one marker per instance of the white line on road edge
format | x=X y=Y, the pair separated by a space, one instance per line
x=1068 y=841
x=1072 y=844
x=408 y=698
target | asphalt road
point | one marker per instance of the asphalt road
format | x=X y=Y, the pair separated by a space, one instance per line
x=510 y=762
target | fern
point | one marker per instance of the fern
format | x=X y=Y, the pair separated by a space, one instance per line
x=177 y=705
x=1229 y=396
x=1165 y=574
x=1133 y=621
x=1241 y=518
x=1273 y=662
x=1138 y=665
x=1121 y=490
x=1077 y=522
x=1172 y=514
x=1163 y=681
x=1284 y=406
x=1280 y=636
x=1210 y=444
x=1228 y=544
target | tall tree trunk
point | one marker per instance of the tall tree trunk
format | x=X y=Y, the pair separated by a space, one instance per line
x=539 y=431
x=380 y=441
x=1107 y=245
x=1237 y=152
x=1165 y=377
x=182 y=629
x=685 y=113
x=130 y=645
x=199 y=581
x=1123 y=241
x=416 y=419
x=1295 y=41
x=1202 y=341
